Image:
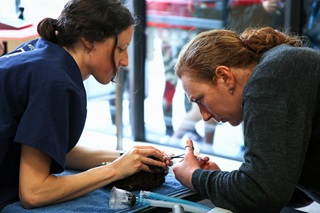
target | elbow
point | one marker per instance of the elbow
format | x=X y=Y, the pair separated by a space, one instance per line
x=29 y=200
x=27 y=204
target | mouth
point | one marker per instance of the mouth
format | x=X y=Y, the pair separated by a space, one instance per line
x=114 y=76
x=223 y=120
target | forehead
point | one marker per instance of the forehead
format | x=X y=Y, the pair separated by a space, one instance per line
x=126 y=35
x=195 y=89
x=190 y=86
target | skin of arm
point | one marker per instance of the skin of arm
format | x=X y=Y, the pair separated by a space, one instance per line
x=38 y=187
x=83 y=158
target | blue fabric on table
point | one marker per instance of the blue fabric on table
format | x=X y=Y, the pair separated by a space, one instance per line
x=98 y=200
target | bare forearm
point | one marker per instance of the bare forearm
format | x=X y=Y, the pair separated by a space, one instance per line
x=83 y=158
x=55 y=189
x=38 y=187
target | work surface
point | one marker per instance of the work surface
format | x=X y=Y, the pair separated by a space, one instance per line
x=98 y=200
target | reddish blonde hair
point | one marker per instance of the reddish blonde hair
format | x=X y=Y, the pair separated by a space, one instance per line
x=214 y=48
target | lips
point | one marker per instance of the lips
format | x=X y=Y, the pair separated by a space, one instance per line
x=223 y=120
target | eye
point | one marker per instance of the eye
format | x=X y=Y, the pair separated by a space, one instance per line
x=195 y=100
x=198 y=101
x=121 y=49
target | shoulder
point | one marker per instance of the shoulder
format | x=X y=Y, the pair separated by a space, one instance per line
x=40 y=64
x=282 y=67
x=285 y=59
x=289 y=53
x=35 y=50
x=38 y=58
x=280 y=72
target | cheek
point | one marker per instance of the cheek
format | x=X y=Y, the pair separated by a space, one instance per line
x=102 y=70
x=210 y=104
x=103 y=64
x=207 y=110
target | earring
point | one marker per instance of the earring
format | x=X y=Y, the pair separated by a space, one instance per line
x=231 y=91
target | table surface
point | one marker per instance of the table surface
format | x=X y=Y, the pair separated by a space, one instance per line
x=98 y=200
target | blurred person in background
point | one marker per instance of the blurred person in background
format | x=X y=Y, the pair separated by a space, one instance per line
x=254 y=13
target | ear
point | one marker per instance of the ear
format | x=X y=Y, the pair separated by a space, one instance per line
x=224 y=75
x=86 y=43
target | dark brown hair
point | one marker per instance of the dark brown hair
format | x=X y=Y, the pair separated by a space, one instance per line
x=95 y=20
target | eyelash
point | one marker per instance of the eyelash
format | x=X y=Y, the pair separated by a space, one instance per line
x=198 y=101
x=120 y=49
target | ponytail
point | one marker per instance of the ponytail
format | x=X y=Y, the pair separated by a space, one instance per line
x=261 y=40
x=47 y=29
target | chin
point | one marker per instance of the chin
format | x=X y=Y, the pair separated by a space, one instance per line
x=104 y=81
x=234 y=123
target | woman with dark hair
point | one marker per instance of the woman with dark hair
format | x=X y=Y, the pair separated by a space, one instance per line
x=43 y=106
x=270 y=81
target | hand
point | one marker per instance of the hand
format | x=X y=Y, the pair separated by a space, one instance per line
x=138 y=158
x=184 y=169
x=167 y=161
x=209 y=165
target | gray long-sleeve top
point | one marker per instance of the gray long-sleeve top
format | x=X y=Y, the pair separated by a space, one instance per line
x=281 y=116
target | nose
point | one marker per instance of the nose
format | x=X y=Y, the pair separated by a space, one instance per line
x=124 y=60
x=206 y=116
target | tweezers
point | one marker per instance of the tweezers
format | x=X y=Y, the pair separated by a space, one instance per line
x=179 y=156
x=175 y=156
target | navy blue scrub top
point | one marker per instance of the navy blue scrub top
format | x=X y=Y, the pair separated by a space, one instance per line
x=42 y=104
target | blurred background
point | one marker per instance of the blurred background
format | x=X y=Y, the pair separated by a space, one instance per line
x=151 y=105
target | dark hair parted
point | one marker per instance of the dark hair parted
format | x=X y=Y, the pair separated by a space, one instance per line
x=94 y=20
x=213 y=48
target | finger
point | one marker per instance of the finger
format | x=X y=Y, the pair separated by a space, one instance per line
x=189 y=146
x=169 y=162
x=153 y=162
x=158 y=156
x=202 y=160
x=148 y=152
x=206 y=158
x=165 y=154
x=205 y=166
x=146 y=147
